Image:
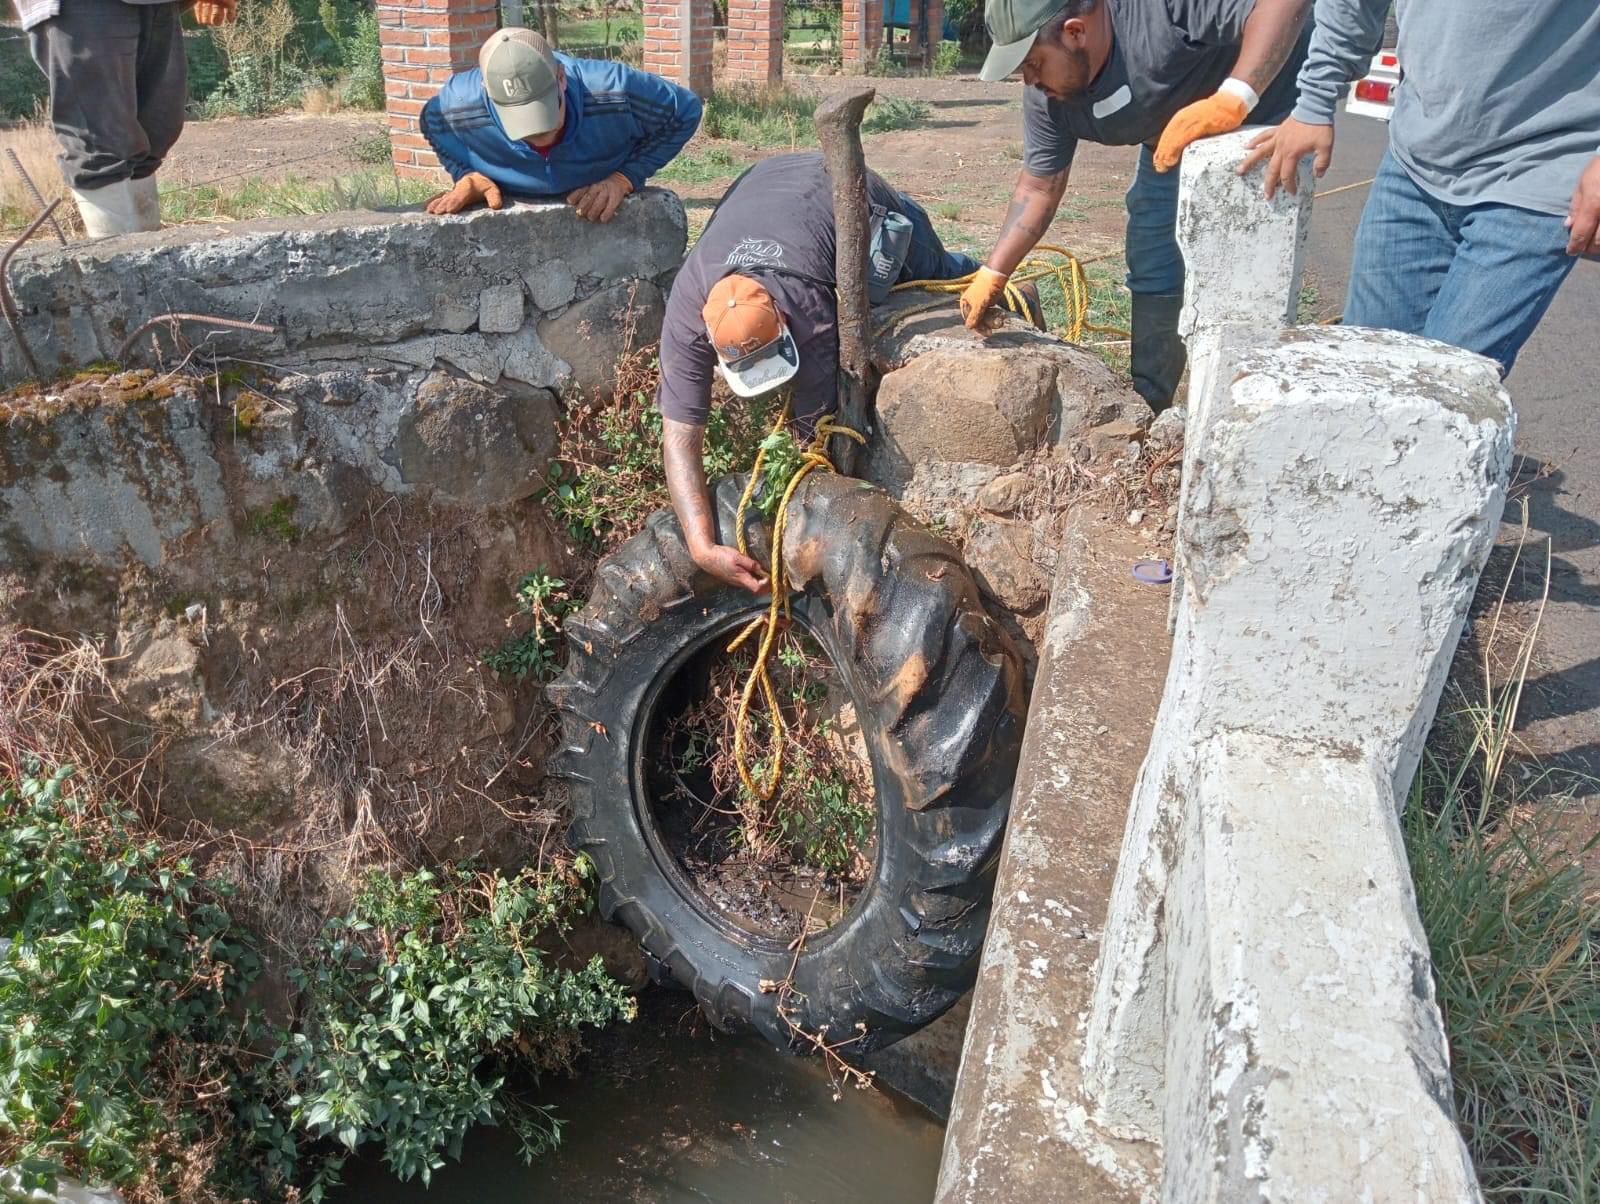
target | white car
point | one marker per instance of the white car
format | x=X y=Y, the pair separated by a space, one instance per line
x=1373 y=96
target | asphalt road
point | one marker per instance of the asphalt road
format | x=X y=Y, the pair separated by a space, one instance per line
x=1556 y=390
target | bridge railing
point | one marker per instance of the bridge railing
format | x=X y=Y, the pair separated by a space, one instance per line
x=1262 y=1006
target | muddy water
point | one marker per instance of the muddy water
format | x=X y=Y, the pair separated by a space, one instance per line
x=666 y=1113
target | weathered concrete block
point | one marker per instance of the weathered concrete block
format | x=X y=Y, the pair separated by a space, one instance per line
x=593 y=334
x=474 y=444
x=104 y=481
x=1346 y=497
x=500 y=309
x=360 y=280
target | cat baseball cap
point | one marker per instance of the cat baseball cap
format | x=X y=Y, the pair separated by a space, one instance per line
x=1013 y=27
x=755 y=351
x=520 y=76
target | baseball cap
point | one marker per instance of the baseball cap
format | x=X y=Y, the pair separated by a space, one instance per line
x=519 y=74
x=1013 y=26
x=755 y=351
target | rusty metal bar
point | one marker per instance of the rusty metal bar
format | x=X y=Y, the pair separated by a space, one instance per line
x=172 y=319
x=38 y=196
x=7 y=305
x=838 y=121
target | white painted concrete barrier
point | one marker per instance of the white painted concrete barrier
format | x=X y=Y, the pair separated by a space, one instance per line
x=1264 y=1003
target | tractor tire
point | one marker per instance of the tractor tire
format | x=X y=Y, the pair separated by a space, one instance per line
x=938 y=691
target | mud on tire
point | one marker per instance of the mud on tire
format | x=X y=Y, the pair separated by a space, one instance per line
x=938 y=690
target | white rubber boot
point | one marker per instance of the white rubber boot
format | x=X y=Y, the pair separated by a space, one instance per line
x=147 y=203
x=126 y=207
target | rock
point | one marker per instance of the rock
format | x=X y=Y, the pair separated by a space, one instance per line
x=475 y=444
x=943 y=492
x=1000 y=553
x=1005 y=494
x=500 y=309
x=340 y=388
x=592 y=335
x=1166 y=431
x=67 y=1190
x=1113 y=440
x=452 y=315
x=551 y=285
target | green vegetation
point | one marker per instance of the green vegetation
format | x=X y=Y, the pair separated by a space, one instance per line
x=132 y=1057
x=716 y=163
x=544 y=600
x=760 y=116
x=946 y=58
x=276 y=521
x=949 y=210
x=894 y=113
x=609 y=475
x=782 y=459
x=252 y=197
x=426 y=995
x=1515 y=937
x=281 y=51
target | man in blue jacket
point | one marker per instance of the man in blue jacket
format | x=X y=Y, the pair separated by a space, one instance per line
x=534 y=123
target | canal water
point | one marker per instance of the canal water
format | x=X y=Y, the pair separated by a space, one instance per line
x=663 y=1110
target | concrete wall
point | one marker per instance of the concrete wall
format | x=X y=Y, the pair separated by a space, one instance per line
x=1264 y=1004
x=408 y=352
x=1260 y=1022
x=480 y=292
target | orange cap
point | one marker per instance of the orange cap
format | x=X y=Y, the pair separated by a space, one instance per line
x=741 y=317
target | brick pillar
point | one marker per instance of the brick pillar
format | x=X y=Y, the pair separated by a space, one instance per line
x=863 y=32
x=424 y=43
x=677 y=42
x=755 y=40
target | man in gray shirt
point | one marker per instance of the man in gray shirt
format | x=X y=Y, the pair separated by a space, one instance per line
x=1490 y=188
x=117 y=94
x=1150 y=73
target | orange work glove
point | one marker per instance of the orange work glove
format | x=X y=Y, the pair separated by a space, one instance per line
x=1216 y=114
x=983 y=292
x=215 y=12
x=469 y=190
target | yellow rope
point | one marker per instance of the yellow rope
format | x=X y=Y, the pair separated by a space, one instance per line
x=1070 y=276
x=768 y=623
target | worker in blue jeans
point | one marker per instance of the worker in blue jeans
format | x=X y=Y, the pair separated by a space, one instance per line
x=1490 y=188
x=1153 y=73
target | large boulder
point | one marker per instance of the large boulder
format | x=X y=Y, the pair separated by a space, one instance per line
x=951 y=395
x=475 y=444
x=593 y=334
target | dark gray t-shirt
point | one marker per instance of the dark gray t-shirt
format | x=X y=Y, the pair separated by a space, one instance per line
x=1164 y=54
x=775 y=224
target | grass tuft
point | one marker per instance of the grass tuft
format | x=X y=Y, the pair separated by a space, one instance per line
x=1515 y=938
x=253 y=197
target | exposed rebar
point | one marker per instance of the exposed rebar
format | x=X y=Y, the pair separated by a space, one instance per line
x=172 y=319
x=11 y=153
x=7 y=305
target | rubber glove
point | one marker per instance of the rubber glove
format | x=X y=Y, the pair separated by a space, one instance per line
x=215 y=12
x=984 y=291
x=1216 y=114
x=469 y=190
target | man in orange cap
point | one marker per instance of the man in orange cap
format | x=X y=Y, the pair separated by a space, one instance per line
x=754 y=303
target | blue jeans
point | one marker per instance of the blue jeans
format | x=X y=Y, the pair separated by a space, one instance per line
x=1155 y=265
x=927 y=258
x=1475 y=276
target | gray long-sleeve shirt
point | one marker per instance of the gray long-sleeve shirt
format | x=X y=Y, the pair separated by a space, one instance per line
x=1497 y=102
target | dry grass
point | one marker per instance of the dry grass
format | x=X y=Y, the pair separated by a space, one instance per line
x=321 y=101
x=35 y=144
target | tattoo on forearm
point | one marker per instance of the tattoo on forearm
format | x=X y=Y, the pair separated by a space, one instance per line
x=1261 y=74
x=1032 y=208
x=682 y=447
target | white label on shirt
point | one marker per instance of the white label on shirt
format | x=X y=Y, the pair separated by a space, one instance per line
x=1119 y=99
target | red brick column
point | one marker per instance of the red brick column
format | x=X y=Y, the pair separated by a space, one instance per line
x=755 y=40
x=863 y=32
x=424 y=43
x=677 y=42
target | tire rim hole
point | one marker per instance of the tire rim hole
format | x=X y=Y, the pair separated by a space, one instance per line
x=799 y=863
